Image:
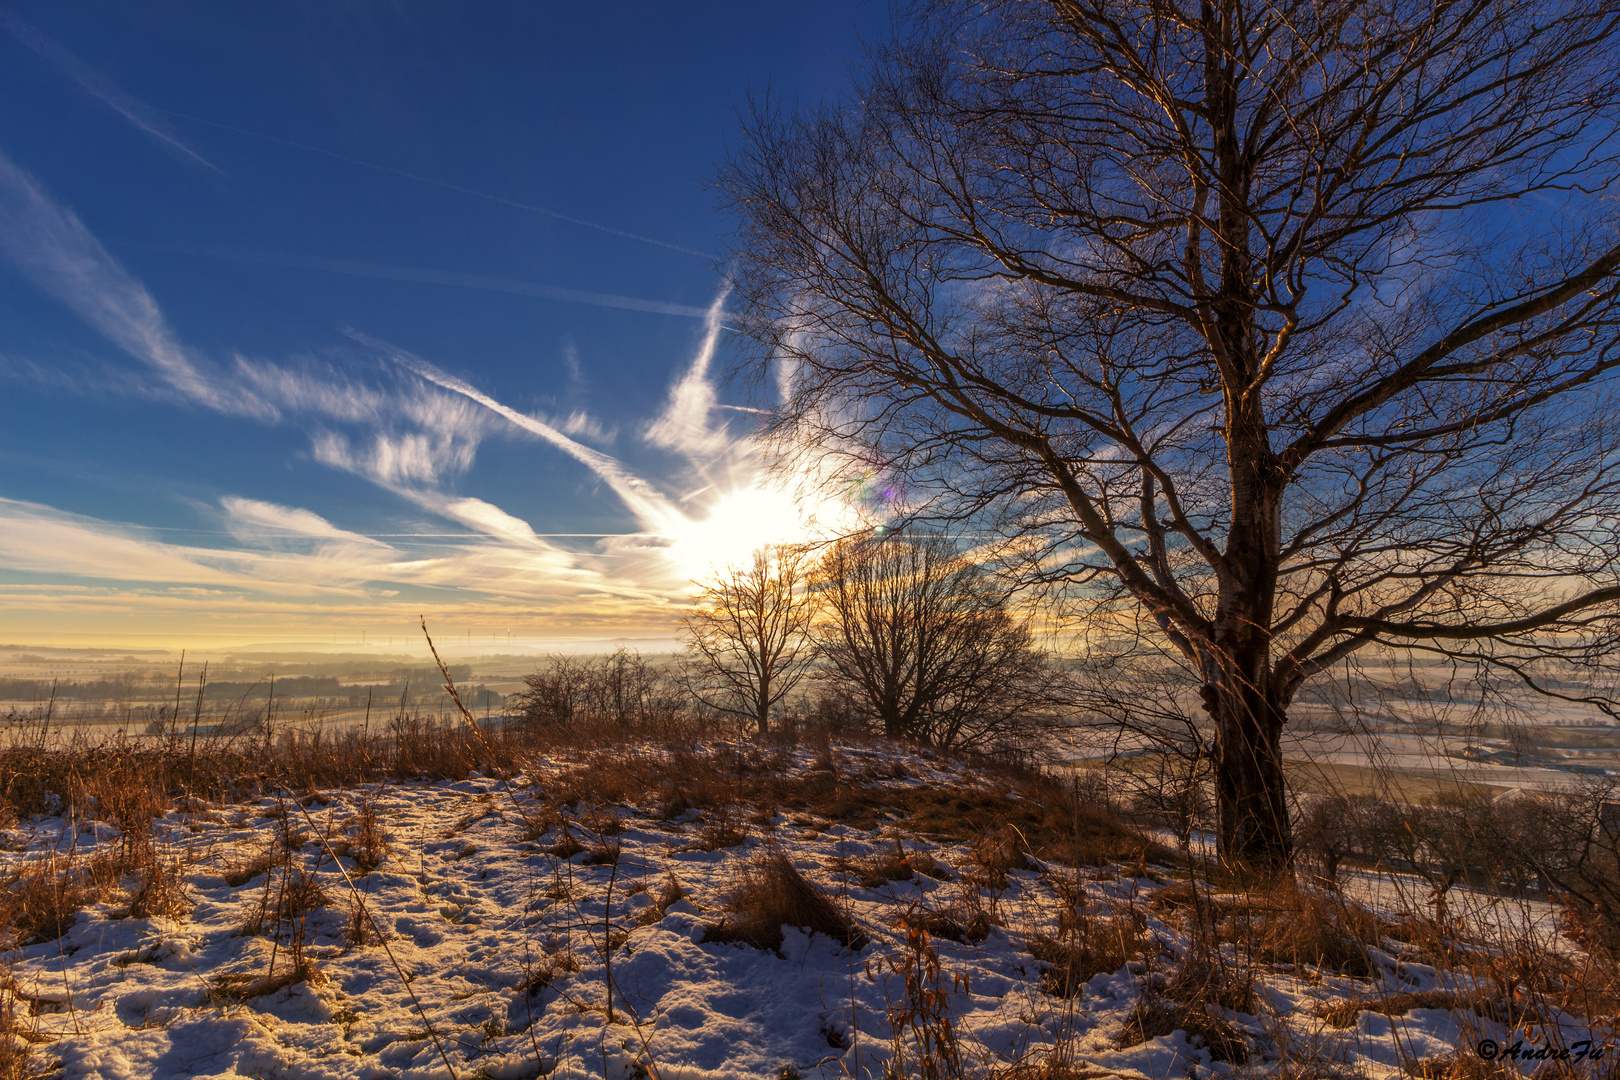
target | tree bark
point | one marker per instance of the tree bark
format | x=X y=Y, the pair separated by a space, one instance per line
x=1253 y=826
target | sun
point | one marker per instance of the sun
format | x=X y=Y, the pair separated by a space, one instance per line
x=743 y=520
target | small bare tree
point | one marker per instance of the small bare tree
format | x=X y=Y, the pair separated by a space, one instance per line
x=747 y=636
x=620 y=688
x=921 y=639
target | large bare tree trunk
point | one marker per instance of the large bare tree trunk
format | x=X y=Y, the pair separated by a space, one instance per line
x=1252 y=806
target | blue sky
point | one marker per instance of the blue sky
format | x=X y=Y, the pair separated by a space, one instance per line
x=314 y=317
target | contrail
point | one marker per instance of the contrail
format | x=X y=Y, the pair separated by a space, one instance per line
x=386 y=272
x=474 y=192
x=97 y=85
x=644 y=500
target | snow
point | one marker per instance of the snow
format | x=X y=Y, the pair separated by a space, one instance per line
x=473 y=909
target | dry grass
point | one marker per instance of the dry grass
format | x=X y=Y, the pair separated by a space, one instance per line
x=1486 y=1004
x=300 y=894
x=41 y=898
x=566 y=847
x=244 y=986
x=604 y=822
x=358 y=928
x=964 y=919
x=603 y=853
x=995 y=854
x=770 y=893
x=1097 y=946
x=1155 y=1016
x=1039 y=810
x=130 y=781
x=722 y=830
x=161 y=891
x=1280 y=923
x=243 y=872
x=891 y=864
x=18 y=1037
x=669 y=893
x=1297 y=926
x=1192 y=999
x=1464 y=1066
x=368 y=842
x=542 y=971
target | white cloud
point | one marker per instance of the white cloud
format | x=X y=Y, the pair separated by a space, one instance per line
x=50 y=246
x=644 y=500
x=268 y=524
x=685 y=424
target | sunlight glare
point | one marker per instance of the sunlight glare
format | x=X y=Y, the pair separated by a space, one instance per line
x=739 y=523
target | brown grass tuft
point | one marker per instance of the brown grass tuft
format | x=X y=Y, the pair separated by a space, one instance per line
x=996 y=854
x=1095 y=947
x=669 y=893
x=17 y=1038
x=369 y=842
x=603 y=853
x=1483 y=1003
x=566 y=847
x=244 y=872
x=41 y=900
x=892 y=864
x=771 y=893
x=1155 y=1016
x=243 y=986
x=964 y=920
x=162 y=891
x=1299 y=926
x=300 y=894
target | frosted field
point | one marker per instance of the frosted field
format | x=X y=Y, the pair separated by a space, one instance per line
x=500 y=952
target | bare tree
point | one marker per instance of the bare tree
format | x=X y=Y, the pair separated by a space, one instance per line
x=620 y=688
x=554 y=695
x=920 y=638
x=1282 y=328
x=747 y=636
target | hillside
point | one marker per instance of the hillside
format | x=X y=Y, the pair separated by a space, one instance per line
x=725 y=910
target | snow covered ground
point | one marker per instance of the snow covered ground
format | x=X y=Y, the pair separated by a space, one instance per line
x=486 y=949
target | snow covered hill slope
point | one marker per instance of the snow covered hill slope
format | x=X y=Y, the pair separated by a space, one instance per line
x=720 y=910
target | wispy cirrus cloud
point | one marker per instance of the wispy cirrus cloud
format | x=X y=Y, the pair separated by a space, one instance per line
x=649 y=504
x=97 y=85
x=293 y=554
x=50 y=246
x=271 y=525
x=41 y=539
